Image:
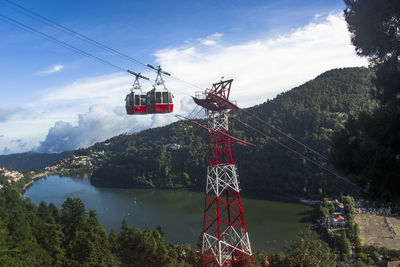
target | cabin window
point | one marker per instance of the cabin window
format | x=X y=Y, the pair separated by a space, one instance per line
x=165 y=97
x=137 y=100
x=129 y=99
x=170 y=97
x=143 y=100
x=158 y=97
x=152 y=98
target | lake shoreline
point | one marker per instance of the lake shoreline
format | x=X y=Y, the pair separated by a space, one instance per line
x=178 y=211
x=86 y=176
x=271 y=197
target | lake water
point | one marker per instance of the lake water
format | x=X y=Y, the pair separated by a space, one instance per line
x=179 y=212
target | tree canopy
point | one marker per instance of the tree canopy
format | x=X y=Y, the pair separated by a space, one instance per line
x=368 y=147
x=73 y=236
x=375 y=28
x=307 y=250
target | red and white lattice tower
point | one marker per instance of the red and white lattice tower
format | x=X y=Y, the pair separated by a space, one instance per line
x=225 y=238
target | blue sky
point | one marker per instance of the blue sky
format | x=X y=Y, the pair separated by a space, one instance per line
x=53 y=99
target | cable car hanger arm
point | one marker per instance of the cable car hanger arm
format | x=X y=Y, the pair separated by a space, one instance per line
x=158 y=69
x=138 y=75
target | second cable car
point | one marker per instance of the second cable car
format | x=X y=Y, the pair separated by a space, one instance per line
x=159 y=101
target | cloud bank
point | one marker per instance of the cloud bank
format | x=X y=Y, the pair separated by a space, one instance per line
x=96 y=125
x=264 y=67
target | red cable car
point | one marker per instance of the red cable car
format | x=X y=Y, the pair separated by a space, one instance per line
x=135 y=102
x=158 y=100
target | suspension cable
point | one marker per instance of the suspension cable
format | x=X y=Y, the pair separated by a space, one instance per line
x=292 y=150
x=285 y=134
x=82 y=37
x=197 y=113
x=188 y=83
x=64 y=44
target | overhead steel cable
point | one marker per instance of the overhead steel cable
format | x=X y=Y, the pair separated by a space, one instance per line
x=292 y=150
x=64 y=44
x=82 y=37
x=197 y=113
x=285 y=134
x=188 y=83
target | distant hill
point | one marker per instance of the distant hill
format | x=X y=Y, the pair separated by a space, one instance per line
x=29 y=160
x=175 y=156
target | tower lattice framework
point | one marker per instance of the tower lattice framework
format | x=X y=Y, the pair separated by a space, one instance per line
x=225 y=238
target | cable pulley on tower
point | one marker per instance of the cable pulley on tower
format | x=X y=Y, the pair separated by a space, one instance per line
x=216 y=99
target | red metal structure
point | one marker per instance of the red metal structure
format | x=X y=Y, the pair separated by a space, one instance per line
x=225 y=238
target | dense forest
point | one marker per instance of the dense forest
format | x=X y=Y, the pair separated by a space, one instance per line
x=46 y=236
x=367 y=149
x=174 y=156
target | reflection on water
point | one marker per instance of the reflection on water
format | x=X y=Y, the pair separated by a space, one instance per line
x=179 y=212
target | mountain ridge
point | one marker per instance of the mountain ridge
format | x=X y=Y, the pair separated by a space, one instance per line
x=32 y=160
x=310 y=113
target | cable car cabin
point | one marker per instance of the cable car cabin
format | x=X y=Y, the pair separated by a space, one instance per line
x=136 y=103
x=159 y=101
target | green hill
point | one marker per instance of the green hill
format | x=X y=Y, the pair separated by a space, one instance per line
x=309 y=113
x=30 y=160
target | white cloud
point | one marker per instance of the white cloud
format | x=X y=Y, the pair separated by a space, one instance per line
x=211 y=39
x=96 y=125
x=264 y=67
x=20 y=143
x=5 y=114
x=89 y=88
x=53 y=69
x=159 y=120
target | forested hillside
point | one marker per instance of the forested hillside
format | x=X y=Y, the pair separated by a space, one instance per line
x=29 y=160
x=46 y=236
x=174 y=156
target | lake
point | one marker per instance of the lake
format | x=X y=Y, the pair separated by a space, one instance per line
x=179 y=212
